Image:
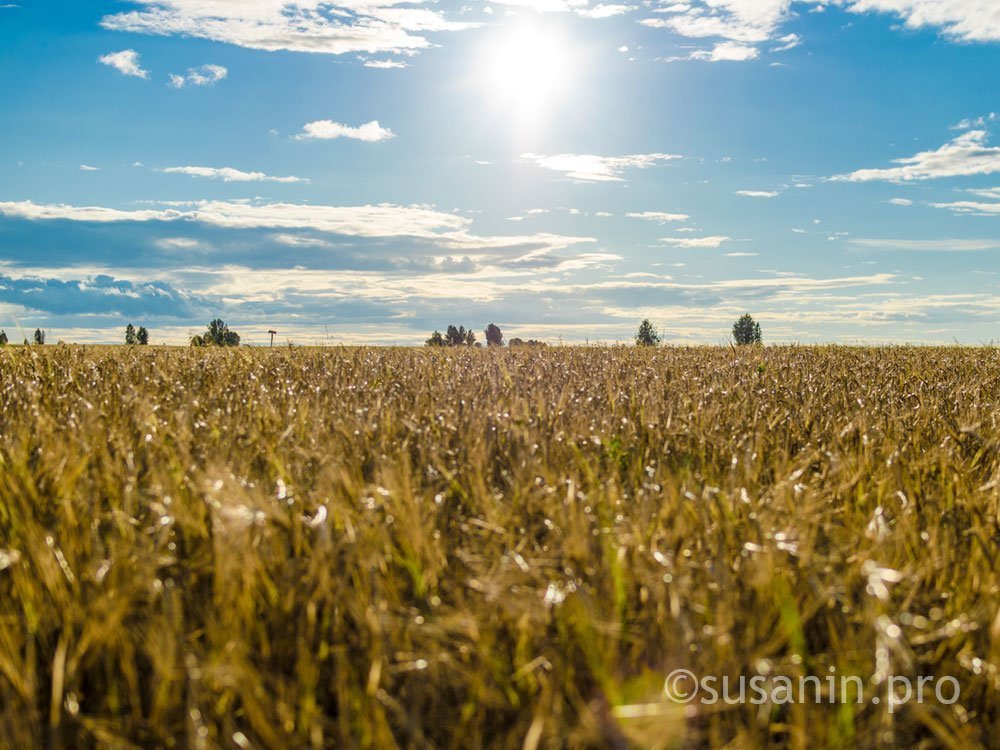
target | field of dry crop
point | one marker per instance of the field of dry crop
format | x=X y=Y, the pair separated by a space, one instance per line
x=378 y=548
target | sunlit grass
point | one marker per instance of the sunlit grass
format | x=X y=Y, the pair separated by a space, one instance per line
x=474 y=548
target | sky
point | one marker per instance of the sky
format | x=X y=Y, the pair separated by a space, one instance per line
x=368 y=171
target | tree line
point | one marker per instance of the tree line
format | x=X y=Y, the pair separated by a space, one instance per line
x=746 y=331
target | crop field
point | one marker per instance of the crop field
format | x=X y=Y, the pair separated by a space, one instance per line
x=464 y=548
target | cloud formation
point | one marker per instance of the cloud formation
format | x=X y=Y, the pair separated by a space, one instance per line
x=659 y=216
x=758 y=193
x=714 y=241
x=125 y=62
x=99 y=294
x=934 y=246
x=228 y=174
x=206 y=75
x=745 y=24
x=328 y=130
x=966 y=155
x=336 y=28
x=590 y=168
x=446 y=230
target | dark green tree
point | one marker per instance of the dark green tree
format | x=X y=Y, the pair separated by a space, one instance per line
x=647 y=334
x=3 y=338
x=218 y=334
x=746 y=331
x=494 y=336
x=130 y=335
x=436 y=339
x=39 y=336
x=470 y=337
x=142 y=336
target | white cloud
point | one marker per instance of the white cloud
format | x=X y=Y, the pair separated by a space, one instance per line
x=967 y=154
x=758 y=193
x=697 y=242
x=206 y=75
x=787 y=42
x=125 y=62
x=88 y=168
x=178 y=243
x=345 y=26
x=900 y=202
x=991 y=193
x=970 y=123
x=971 y=207
x=228 y=174
x=605 y=11
x=752 y=22
x=940 y=246
x=721 y=52
x=742 y=255
x=590 y=168
x=659 y=216
x=383 y=220
x=328 y=129
x=727 y=52
x=386 y=64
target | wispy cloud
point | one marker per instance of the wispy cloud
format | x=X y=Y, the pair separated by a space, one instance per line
x=712 y=242
x=328 y=130
x=297 y=25
x=591 y=168
x=125 y=62
x=659 y=216
x=935 y=246
x=386 y=64
x=966 y=155
x=446 y=230
x=228 y=174
x=758 y=193
x=206 y=75
x=88 y=168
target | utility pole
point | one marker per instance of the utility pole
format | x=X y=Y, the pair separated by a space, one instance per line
x=273 y=334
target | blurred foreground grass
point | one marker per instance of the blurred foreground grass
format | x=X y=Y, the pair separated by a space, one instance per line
x=384 y=548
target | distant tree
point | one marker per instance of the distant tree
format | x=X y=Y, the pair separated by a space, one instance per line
x=747 y=331
x=454 y=336
x=436 y=339
x=647 y=335
x=494 y=336
x=217 y=334
x=3 y=338
x=142 y=336
x=530 y=342
x=470 y=337
x=39 y=336
x=130 y=334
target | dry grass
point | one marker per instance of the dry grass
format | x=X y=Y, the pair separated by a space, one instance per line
x=459 y=549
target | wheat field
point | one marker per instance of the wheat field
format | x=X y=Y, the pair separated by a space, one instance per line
x=465 y=548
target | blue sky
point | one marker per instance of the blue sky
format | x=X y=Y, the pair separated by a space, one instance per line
x=368 y=171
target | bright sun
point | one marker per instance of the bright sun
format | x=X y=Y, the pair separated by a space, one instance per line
x=527 y=69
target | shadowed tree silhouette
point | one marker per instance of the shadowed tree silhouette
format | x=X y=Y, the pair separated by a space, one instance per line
x=217 y=334
x=39 y=336
x=494 y=336
x=647 y=335
x=130 y=339
x=436 y=339
x=3 y=338
x=142 y=336
x=746 y=331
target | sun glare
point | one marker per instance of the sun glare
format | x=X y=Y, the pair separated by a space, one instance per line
x=527 y=70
